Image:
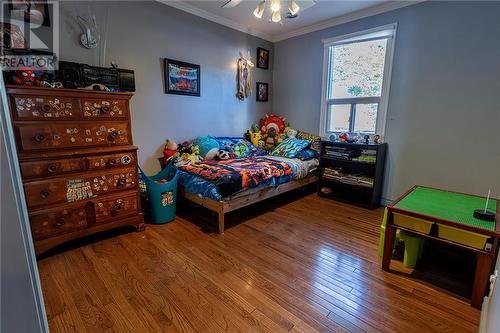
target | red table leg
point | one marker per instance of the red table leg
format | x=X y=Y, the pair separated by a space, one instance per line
x=390 y=236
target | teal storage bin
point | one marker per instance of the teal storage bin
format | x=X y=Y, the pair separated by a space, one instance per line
x=160 y=198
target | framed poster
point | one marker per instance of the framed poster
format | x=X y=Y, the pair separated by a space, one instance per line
x=262 y=92
x=181 y=78
x=262 y=58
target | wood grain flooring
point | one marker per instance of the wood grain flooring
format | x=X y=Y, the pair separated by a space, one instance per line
x=295 y=264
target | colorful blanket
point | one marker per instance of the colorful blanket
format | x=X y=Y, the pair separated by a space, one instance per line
x=231 y=176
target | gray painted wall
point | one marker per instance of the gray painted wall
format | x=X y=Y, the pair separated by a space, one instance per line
x=138 y=35
x=443 y=122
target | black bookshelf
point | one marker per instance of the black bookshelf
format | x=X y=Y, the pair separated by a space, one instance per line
x=352 y=173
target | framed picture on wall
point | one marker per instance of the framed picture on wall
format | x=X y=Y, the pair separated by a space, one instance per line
x=262 y=58
x=262 y=92
x=181 y=78
x=34 y=12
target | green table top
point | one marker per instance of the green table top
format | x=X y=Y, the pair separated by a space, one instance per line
x=450 y=206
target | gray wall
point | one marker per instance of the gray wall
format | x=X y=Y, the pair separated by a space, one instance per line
x=443 y=122
x=138 y=35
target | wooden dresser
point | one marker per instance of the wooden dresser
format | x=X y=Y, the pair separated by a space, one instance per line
x=77 y=161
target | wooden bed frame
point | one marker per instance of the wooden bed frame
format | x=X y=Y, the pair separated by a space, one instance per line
x=245 y=198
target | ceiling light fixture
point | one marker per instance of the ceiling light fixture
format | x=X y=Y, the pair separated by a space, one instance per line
x=275 y=6
x=277 y=11
x=276 y=18
x=293 y=9
x=259 y=10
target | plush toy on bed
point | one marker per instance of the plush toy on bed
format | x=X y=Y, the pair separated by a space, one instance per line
x=188 y=153
x=290 y=132
x=272 y=129
x=170 y=149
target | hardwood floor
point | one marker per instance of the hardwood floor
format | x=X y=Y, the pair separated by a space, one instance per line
x=299 y=263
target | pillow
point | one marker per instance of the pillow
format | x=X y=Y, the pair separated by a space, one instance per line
x=205 y=144
x=315 y=140
x=290 y=147
x=307 y=154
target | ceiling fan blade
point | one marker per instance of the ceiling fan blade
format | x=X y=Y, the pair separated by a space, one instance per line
x=231 y=3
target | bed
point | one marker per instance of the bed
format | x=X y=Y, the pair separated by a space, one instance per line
x=225 y=186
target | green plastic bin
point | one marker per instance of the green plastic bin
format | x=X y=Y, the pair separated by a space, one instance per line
x=160 y=198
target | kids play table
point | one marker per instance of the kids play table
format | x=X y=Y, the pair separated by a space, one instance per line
x=446 y=217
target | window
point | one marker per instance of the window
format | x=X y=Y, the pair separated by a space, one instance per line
x=356 y=74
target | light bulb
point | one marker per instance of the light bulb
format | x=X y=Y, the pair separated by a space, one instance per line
x=259 y=10
x=275 y=6
x=293 y=8
x=276 y=17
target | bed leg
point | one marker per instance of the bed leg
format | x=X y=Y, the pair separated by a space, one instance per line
x=221 y=223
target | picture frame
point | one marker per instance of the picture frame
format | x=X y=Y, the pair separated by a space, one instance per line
x=181 y=78
x=33 y=10
x=262 y=92
x=262 y=58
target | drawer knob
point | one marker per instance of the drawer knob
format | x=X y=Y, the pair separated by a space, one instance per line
x=46 y=107
x=116 y=209
x=40 y=137
x=112 y=162
x=121 y=183
x=112 y=136
x=60 y=222
x=44 y=194
x=52 y=168
x=105 y=109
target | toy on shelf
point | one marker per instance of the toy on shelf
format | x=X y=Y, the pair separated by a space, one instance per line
x=367 y=139
x=377 y=139
x=25 y=76
x=333 y=137
x=344 y=137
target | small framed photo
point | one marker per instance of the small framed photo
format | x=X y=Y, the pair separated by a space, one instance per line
x=181 y=78
x=262 y=92
x=262 y=58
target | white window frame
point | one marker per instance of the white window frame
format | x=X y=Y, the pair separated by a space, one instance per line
x=386 y=83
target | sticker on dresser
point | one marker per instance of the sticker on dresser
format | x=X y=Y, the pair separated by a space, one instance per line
x=45 y=107
x=78 y=189
x=104 y=108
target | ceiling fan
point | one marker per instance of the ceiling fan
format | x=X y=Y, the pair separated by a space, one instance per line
x=275 y=7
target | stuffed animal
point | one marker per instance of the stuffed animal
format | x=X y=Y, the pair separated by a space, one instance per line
x=255 y=138
x=170 y=149
x=25 y=76
x=272 y=121
x=222 y=155
x=271 y=140
x=188 y=153
x=290 y=132
x=212 y=154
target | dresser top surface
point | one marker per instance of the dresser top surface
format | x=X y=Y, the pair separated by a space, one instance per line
x=13 y=89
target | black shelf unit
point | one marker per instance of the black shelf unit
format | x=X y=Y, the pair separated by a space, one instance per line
x=352 y=173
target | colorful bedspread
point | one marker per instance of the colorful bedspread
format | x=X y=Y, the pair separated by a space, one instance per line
x=231 y=176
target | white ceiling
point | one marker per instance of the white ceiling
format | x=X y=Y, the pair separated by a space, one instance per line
x=324 y=13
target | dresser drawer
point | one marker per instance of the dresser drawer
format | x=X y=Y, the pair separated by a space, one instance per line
x=110 y=209
x=33 y=137
x=81 y=187
x=57 y=167
x=52 y=167
x=104 y=108
x=111 y=161
x=45 y=108
x=60 y=220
